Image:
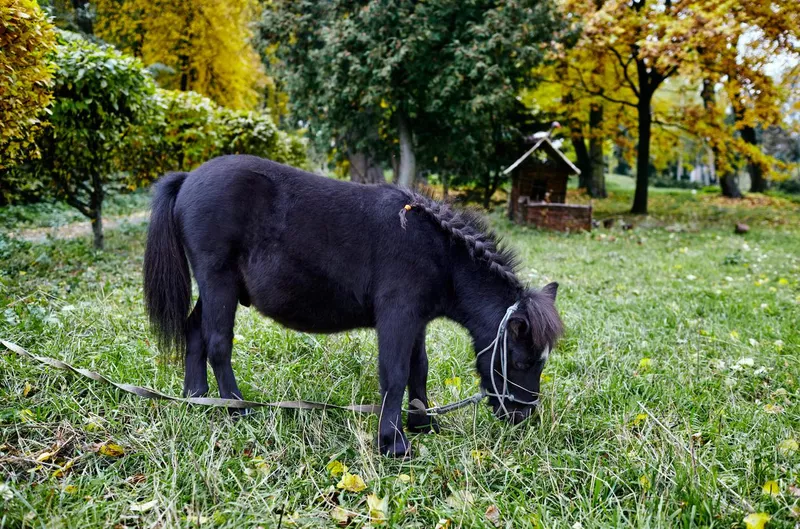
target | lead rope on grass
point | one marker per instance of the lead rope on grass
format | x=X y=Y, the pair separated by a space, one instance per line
x=148 y=393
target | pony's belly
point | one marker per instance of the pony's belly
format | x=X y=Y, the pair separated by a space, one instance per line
x=317 y=311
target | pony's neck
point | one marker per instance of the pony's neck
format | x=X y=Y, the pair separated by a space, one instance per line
x=479 y=305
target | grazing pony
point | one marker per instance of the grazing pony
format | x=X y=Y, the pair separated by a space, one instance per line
x=321 y=256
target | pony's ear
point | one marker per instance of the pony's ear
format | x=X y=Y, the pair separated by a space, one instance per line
x=551 y=290
x=518 y=326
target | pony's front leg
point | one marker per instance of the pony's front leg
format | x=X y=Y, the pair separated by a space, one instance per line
x=418 y=388
x=396 y=335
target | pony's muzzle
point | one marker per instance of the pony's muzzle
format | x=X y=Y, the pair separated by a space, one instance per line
x=514 y=415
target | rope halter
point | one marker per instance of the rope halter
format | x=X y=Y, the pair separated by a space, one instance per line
x=500 y=342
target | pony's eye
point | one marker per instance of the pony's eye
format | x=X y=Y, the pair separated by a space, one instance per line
x=523 y=366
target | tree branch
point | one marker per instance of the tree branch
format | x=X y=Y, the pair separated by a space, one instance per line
x=82 y=207
x=625 y=69
x=601 y=92
x=684 y=128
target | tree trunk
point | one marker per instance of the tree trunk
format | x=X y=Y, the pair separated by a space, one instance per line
x=597 y=177
x=758 y=184
x=445 y=185
x=408 y=162
x=643 y=154
x=491 y=186
x=97 y=230
x=729 y=184
x=96 y=211
x=582 y=154
x=83 y=16
x=183 y=85
x=363 y=169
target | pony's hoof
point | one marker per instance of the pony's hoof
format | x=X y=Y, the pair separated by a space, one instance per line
x=399 y=449
x=422 y=424
x=200 y=392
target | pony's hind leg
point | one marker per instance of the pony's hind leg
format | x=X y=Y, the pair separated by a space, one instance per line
x=195 y=378
x=220 y=296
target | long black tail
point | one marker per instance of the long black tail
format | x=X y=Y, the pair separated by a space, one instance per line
x=167 y=280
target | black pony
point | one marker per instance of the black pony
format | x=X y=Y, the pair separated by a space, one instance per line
x=320 y=255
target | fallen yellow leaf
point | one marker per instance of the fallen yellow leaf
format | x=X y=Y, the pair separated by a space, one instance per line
x=479 y=455
x=27 y=389
x=93 y=426
x=144 y=507
x=645 y=363
x=787 y=447
x=351 y=482
x=341 y=516
x=639 y=419
x=756 y=520
x=71 y=489
x=460 y=499
x=444 y=523
x=771 y=488
x=26 y=415
x=493 y=515
x=44 y=456
x=111 y=450
x=404 y=478
x=644 y=481
x=377 y=509
x=63 y=469
x=336 y=467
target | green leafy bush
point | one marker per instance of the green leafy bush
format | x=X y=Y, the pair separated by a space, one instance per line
x=255 y=133
x=189 y=129
x=791 y=186
x=100 y=95
x=180 y=135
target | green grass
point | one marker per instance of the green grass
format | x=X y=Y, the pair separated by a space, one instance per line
x=678 y=318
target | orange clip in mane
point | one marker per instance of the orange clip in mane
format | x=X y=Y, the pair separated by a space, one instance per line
x=403 y=221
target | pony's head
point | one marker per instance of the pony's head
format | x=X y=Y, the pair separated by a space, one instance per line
x=511 y=367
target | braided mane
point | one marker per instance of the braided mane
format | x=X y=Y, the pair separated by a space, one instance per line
x=470 y=230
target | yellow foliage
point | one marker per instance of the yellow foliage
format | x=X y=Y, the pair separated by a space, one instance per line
x=771 y=488
x=26 y=38
x=680 y=45
x=336 y=467
x=206 y=43
x=378 y=508
x=111 y=450
x=351 y=482
x=756 y=520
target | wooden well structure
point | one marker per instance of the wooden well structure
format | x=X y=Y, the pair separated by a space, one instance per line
x=539 y=189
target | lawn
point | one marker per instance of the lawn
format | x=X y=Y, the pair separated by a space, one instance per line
x=672 y=401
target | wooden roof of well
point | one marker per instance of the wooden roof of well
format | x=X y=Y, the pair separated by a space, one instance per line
x=546 y=144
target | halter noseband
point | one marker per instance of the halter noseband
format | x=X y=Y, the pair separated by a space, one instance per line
x=502 y=336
